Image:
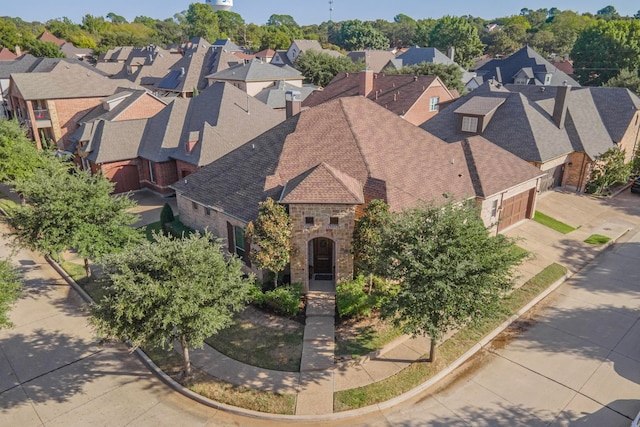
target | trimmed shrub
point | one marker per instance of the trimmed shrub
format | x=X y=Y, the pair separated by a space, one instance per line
x=166 y=216
x=284 y=300
x=352 y=300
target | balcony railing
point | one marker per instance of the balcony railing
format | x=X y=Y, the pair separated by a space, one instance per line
x=41 y=114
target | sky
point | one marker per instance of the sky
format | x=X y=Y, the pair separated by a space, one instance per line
x=305 y=12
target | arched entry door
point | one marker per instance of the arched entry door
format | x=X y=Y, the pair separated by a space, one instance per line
x=321 y=255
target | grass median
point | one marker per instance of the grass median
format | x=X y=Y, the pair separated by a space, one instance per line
x=450 y=350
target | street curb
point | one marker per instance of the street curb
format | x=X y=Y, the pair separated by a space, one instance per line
x=177 y=387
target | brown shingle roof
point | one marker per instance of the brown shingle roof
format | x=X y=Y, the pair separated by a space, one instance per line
x=7 y=55
x=397 y=93
x=46 y=36
x=480 y=105
x=323 y=184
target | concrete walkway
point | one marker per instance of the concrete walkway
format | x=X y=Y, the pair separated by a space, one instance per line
x=320 y=376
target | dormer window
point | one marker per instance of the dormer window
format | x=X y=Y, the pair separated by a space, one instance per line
x=547 y=79
x=470 y=124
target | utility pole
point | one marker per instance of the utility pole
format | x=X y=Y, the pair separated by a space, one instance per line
x=330 y=10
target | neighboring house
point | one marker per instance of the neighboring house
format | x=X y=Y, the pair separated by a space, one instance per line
x=256 y=75
x=7 y=55
x=274 y=96
x=414 y=98
x=559 y=129
x=50 y=103
x=374 y=60
x=297 y=47
x=524 y=67
x=327 y=162
x=265 y=55
x=66 y=47
x=184 y=136
x=417 y=55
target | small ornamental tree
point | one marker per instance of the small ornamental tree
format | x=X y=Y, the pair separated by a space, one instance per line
x=367 y=239
x=271 y=232
x=320 y=68
x=450 y=270
x=608 y=169
x=10 y=287
x=166 y=217
x=171 y=289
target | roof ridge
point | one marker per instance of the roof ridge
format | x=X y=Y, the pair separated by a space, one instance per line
x=334 y=171
x=341 y=101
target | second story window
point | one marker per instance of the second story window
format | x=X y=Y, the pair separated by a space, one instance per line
x=469 y=124
x=433 y=103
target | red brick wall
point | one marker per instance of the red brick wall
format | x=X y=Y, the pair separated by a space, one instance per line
x=165 y=174
x=420 y=113
x=69 y=111
x=143 y=108
x=184 y=169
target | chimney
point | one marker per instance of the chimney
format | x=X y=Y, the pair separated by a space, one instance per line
x=451 y=53
x=560 y=107
x=365 y=82
x=293 y=99
x=498 y=75
x=18 y=50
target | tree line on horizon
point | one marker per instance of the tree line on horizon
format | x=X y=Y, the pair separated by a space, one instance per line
x=602 y=45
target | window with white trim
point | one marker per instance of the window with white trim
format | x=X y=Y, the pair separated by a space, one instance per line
x=433 y=103
x=469 y=124
x=494 y=209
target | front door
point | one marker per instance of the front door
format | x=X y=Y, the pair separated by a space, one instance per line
x=323 y=256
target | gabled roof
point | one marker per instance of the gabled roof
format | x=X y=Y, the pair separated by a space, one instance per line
x=7 y=55
x=224 y=117
x=226 y=44
x=523 y=123
x=480 y=105
x=323 y=184
x=528 y=60
x=417 y=55
x=274 y=96
x=256 y=71
x=115 y=141
x=46 y=36
x=116 y=104
x=189 y=72
x=346 y=141
x=374 y=60
x=30 y=64
x=66 y=81
x=396 y=92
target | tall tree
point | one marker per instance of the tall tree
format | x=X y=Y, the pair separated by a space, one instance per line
x=608 y=12
x=320 y=68
x=450 y=270
x=19 y=157
x=609 y=169
x=271 y=233
x=171 y=289
x=231 y=25
x=116 y=19
x=276 y=20
x=202 y=21
x=358 y=35
x=367 y=239
x=627 y=78
x=10 y=287
x=605 y=48
x=455 y=32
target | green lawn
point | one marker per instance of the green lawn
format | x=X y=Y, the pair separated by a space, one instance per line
x=261 y=346
x=95 y=288
x=150 y=229
x=5 y=203
x=553 y=223
x=597 y=239
x=365 y=339
x=447 y=352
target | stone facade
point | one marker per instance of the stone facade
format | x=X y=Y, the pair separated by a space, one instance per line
x=341 y=234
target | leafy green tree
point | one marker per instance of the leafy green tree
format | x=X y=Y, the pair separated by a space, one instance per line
x=535 y=17
x=367 y=236
x=627 y=78
x=320 y=68
x=450 y=270
x=9 y=34
x=42 y=49
x=608 y=169
x=10 y=287
x=271 y=233
x=166 y=217
x=94 y=24
x=506 y=41
x=605 y=48
x=202 y=21
x=116 y=19
x=172 y=289
x=72 y=211
x=19 y=157
x=455 y=32
x=358 y=35
x=451 y=75
x=276 y=20
x=275 y=38
x=608 y=12
x=231 y=25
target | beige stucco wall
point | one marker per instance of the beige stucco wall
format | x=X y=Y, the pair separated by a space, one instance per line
x=341 y=235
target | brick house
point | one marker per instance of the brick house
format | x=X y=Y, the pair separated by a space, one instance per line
x=182 y=137
x=50 y=104
x=326 y=163
x=255 y=75
x=559 y=129
x=414 y=98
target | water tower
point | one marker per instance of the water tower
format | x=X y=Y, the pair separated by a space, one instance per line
x=220 y=4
